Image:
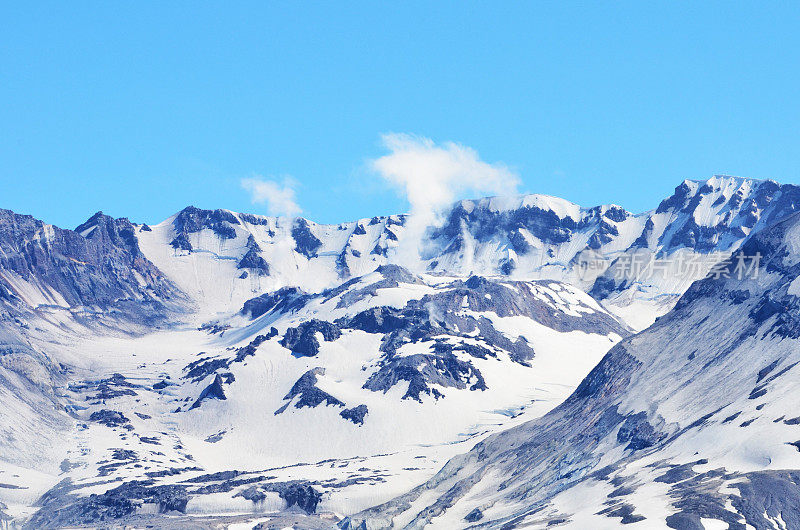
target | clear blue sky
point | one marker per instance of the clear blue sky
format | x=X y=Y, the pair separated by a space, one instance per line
x=141 y=108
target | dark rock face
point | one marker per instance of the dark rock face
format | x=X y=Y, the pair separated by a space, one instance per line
x=101 y=268
x=605 y=233
x=397 y=273
x=677 y=200
x=252 y=260
x=252 y=494
x=356 y=414
x=378 y=320
x=309 y=395
x=250 y=349
x=102 y=507
x=644 y=237
x=638 y=433
x=380 y=250
x=298 y=494
x=114 y=504
x=624 y=511
x=302 y=340
x=396 y=220
x=393 y=276
x=306 y=243
x=602 y=288
x=202 y=368
x=616 y=214
x=421 y=371
x=109 y=418
x=205 y=366
x=518 y=242
x=254 y=220
x=123 y=454
x=110 y=388
x=483 y=222
x=769 y=494
x=212 y=391
x=169 y=498
x=474 y=516
x=283 y=300
x=106 y=392
x=507 y=266
x=341 y=264
x=181 y=242
x=191 y=220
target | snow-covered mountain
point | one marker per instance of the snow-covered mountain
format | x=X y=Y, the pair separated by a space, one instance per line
x=692 y=423
x=228 y=366
x=222 y=258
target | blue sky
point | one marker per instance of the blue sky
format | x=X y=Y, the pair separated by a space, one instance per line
x=141 y=108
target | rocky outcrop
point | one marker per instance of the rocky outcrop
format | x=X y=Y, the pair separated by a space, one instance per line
x=422 y=372
x=302 y=340
x=98 y=265
x=252 y=260
x=212 y=391
x=355 y=414
x=191 y=220
x=283 y=300
x=307 y=393
x=306 y=243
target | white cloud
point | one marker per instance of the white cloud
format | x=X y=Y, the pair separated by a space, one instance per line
x=433 y=176
x=278 y=197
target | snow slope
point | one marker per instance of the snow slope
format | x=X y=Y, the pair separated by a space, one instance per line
x=375 y=382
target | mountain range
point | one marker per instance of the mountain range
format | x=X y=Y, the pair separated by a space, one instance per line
x=525 y=362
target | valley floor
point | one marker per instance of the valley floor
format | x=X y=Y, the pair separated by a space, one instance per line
x=124 y=400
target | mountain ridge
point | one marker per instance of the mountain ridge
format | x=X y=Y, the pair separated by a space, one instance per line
x=525 y=237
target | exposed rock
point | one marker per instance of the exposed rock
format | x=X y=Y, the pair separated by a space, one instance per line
x=104 y=267
x=109 y=418
x=356 y=414
x=283 y=300
x=423 y=373
x=302 y=340
x=474 y=516
x=308 y=394
x=252 y=260
x=191 y=220
x=298 y=494
x=212 y=391
x=306 y=243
